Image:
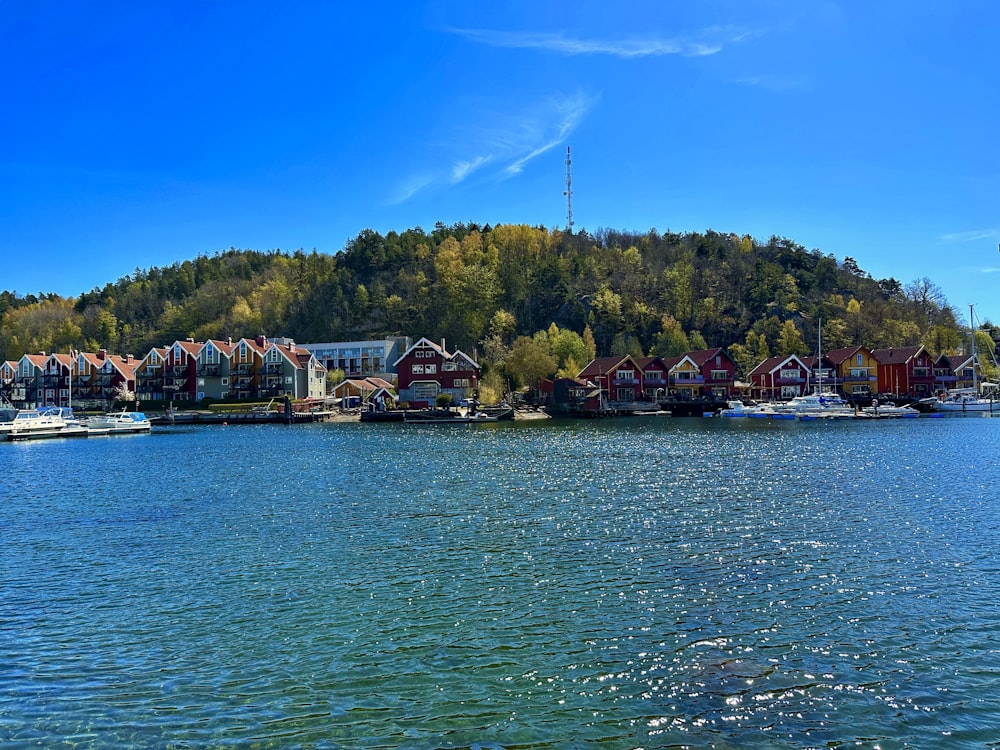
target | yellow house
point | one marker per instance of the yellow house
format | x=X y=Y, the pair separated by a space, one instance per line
x=856 y=371
x=684 y=376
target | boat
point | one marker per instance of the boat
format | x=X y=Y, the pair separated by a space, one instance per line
x=737 y=409
x=963 y=400
x=47 y=422
x=442 y=416
x=123 y=422
x=818 y=405
x=888 y=410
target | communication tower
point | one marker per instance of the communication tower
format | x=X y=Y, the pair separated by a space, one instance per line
x=569 y=194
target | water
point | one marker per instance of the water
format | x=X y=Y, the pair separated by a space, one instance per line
x=638 y=583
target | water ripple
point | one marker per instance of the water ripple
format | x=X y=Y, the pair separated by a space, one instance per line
x=647 y=583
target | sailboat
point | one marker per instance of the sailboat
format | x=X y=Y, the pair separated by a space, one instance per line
x=819 y=404
x=971 y=399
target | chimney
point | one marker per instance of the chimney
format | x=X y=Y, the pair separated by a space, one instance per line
x=102 y=353
x=261 y=340
x=229 y=340
x=442 y=345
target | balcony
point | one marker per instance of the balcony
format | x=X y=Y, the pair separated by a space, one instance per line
x=210 y=371
x=684 y=379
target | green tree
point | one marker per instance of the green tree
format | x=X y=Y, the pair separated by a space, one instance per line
x=530 y=361
x=790 y=340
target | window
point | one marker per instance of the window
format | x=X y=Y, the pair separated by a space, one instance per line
x=861 y=360
x=225 y=381
x=430 y=369
x=719 y=374
x=417 y=369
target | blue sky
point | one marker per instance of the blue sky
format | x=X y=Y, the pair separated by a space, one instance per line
x=142 y=134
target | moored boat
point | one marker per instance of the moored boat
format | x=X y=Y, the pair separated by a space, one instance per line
x=123 y=422
x=37 y=424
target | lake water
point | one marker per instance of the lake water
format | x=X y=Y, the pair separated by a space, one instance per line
x=636 y=583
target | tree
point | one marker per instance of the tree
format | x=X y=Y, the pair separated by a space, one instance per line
x=671 y=341
x=790 y=340
x=530 y=361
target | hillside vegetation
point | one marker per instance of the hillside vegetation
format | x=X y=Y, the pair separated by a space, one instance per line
x=482 y=287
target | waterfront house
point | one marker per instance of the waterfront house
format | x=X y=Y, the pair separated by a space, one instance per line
x=27 y=391
x=618 y=378
x=57 y=379
x=856 y=371
x=945 y=371
x=822 y=376
x=288 y=370
x=8 y=376
x=707 y=372
x=245 y=364
x=575 y=396
x=180 y=370
x=357 y=391
x=965 y=372
x=149 y=375
x=427 y=370
x=212 y=369
x=655 y=377
x=905 y=371
x=779 y=378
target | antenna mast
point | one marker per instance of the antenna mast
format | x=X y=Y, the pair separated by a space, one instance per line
x=569 y=194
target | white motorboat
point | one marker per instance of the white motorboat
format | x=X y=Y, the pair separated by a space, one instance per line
x=35 y=424
x=123 y=422
x=823 y=405
x=888 y=410
x=737 y=409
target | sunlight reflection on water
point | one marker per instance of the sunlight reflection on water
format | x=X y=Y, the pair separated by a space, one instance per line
x=630 y=584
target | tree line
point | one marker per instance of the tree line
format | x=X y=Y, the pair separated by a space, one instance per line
x=510 y=293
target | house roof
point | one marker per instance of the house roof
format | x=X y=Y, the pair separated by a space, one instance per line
x=423 y=343
x=838 y=356
x=703 y=355
x=774 y=363
x=897 y=356
x=603 y=365
x=426 y=343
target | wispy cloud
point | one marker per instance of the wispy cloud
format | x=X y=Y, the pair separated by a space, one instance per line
x=506 y=146
x=466 y=167
x=974 y=235
x=409 y=187
x=705 y=42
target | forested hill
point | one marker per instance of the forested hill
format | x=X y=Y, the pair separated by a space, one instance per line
x=646 y=293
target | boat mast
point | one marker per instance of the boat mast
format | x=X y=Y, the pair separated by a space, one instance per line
x=819 y=359
x=972 y=335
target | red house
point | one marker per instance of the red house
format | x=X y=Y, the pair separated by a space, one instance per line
x=907 y=371
x=718 y=371
x=427 y=370
x=779 y=378
x=655 y=377
x=618 y=378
